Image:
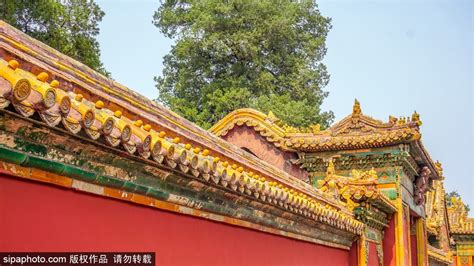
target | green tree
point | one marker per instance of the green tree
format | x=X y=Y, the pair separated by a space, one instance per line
x=244 y=53
x=455 y=194
x=69 y=26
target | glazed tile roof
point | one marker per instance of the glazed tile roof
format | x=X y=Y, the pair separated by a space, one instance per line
x=440 y=255
x=356 y=131
x=37 y=79
x=459 y=222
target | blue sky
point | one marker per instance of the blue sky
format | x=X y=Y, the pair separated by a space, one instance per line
x=393 y=56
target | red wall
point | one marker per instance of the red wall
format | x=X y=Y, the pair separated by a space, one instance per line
x=353 y=254
x=373 y=257
x=39 y=217
x=389 y=244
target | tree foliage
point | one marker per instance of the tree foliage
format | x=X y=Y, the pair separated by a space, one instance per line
x=70 y=26
x=455 y=194
x=242 y=53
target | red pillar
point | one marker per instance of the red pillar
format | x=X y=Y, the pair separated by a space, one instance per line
x=414 y=251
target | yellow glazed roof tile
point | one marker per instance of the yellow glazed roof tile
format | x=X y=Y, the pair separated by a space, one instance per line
x=29 y=93
x=356 y=131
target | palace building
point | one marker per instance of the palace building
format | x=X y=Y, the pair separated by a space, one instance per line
x=88 y=165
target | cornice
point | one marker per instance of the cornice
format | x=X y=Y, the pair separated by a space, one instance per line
x=316 y=163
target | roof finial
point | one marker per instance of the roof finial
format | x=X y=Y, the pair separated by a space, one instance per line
x=356 y=109
x=439 y=169
x=415 y=117
x=272 y=117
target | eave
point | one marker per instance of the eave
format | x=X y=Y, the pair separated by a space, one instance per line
x=316 y=141
x=107 y=172
x=466 y=228
x=460 y=223
x=95 y=87
x=85 y=102
x=355 y=132
x=440 y=255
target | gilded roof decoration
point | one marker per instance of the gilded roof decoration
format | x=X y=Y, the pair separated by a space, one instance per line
x=437 y=223
x=458 y=219
x=435 y=208
x=355 y=190
x=356 y=131
x=57 y=104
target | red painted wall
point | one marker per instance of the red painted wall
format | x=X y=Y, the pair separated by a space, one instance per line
x=373 y=257
x=389 y=257
x=39 y=217
x=353 y=254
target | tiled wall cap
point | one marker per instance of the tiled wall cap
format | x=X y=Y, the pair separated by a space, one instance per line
x=13 y=64
x=54 y=83
x=99 y=104
x=78 y=97
x=43 y=76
